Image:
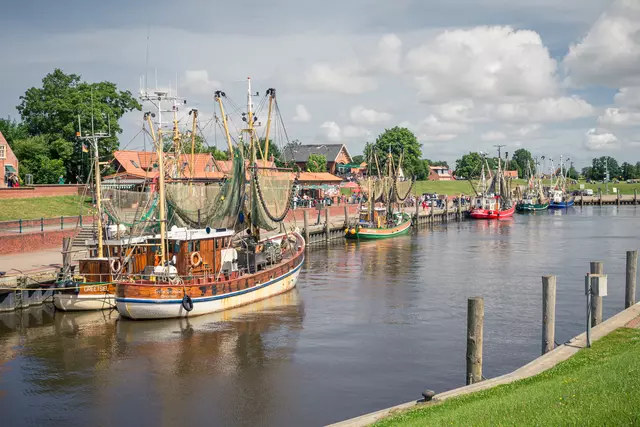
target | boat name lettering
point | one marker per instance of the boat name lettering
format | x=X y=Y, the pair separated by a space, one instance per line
x=96 y=288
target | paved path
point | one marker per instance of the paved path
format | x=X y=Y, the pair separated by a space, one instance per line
x=13 y=264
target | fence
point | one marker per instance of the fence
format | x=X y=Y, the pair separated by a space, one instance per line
x=34 y=225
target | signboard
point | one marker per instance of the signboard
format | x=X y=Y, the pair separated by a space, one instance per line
x=582 y=186
x=615 y=190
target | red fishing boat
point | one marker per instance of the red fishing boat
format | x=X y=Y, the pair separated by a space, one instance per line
x=495 y=201
x=492 y=210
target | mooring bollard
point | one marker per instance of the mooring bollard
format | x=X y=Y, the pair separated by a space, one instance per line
x=433 y=211
x=460 y=208
x=305 y=214
x=632 y=268
x=66 y=254
x=596 y=267
x=475 y=323
x=346 y=215
x=548 y=313
x=326 y=225
x=417 y=210
x=635 y=196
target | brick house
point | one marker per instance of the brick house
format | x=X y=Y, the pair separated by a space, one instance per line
x=336 y=154
x=511 y=174
x=439 y=173
x=8 y=161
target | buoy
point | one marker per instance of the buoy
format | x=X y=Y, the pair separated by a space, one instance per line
x=187 y=303
x=196 y=259
x=353 y=231
x=115 y=265
x=346 y=230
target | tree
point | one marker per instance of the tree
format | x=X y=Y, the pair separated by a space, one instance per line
x=587 y=172
x=469 y=166
x=34 y=155
x=358 y=159
x=436 y=163
x=523 y=162
x=600 y=166
x=398 y=141
x=572 y=173
x=317 y=163
x=12 y=130
x=629 y=171
x=54 y=109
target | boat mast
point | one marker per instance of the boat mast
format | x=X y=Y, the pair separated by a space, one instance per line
x=271 y=93
x=255 y=231
x=193 y=140
x=93 y=139
x=157 y=141
x=218 y=97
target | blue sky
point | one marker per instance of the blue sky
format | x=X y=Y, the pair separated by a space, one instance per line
x=555 y=77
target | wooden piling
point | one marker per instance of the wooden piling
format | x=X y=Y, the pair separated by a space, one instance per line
x=327 y=225
x=548 y=313
x=417 y=211
x=596 y=267
x=346 y=215
x=475 y=323
x=635 y=196
x=630 y=289
x=433 y=211
x=306 y=226
x=460 y=208
x=66 y=255
x=600 y=196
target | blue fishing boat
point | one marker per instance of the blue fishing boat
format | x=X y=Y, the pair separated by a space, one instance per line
x=560 y=200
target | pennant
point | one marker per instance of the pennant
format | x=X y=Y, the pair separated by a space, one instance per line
x=84 y=149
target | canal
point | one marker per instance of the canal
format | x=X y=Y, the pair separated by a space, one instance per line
x=370 y=325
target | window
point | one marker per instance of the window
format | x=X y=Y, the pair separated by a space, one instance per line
x=3 y=151
x=134 y=164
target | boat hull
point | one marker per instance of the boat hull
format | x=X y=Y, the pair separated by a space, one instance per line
x=140 y=301
x=561 y=205
x=380 y=233
x=492 y=214
x=531 y=207
x=83 y=302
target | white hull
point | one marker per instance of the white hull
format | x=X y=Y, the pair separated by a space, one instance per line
x=73 y=302
x=136 y=308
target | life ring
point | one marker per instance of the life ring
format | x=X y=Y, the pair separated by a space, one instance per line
x=187 y=303
x=116 y=265
x=196 y=259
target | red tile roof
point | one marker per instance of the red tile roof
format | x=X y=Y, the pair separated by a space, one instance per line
x=143 y=164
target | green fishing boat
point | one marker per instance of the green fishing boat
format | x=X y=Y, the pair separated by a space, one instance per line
x=533 y=199
x=380 y=228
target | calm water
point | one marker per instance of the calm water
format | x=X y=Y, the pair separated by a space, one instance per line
x=370 y=325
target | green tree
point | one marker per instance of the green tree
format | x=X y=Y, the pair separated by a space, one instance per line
x=398 y=141
x=12 y=130
x=469 y=166
x=520 y=160
x=572 y=173
x=317 y=163
x=358 y=159
x=629 y=171
x=53 y=111
x=436 y=163
x=600 y=166
x=587 y=172
x=34 y=155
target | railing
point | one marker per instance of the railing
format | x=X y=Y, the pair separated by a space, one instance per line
x=56 y=223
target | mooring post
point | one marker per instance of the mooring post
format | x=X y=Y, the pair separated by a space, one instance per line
x=600 y=196
x=326 y=225
x=618 y=198
x=346 y=215
x=446 y=209
x=548 y=313
x=305 y=214
x=417 y=210
x=632 y=268
x=66 y=255
x=475 y=323
x=581 y=199
x=635 y=196
x=433 y=211
x=596 y=267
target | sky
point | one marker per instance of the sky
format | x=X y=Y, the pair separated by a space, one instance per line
x=554 y=77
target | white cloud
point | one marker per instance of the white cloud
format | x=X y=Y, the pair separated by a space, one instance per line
x=197 y=82
x=345 y=79
x=331 y=131
x=302 y=114
x=362 y=115
x=610 y=52
x=389 y=54
x=491 y=63
x=618 y=117
x=493 y=136
x=600 y=139
x=355 y=132
x=545 y=110
x=628 y=97
x=527 y=130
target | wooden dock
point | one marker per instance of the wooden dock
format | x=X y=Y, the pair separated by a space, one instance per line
x=607 y=200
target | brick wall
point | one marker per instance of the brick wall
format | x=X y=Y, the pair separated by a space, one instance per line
x=9 y=159
x=43 y=191
x=32 y=242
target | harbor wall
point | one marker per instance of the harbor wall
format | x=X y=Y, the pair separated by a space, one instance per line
x=32 y=241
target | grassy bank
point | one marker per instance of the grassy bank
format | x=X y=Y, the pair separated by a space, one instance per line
x=43 y=207
x=598 y=386
x=622 y=187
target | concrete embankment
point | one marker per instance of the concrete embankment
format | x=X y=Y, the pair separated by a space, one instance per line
x=629 y=317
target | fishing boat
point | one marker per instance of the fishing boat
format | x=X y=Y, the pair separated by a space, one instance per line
x=190 y=271
x=381 y=222
x=533 y=199
x=492 y=201
x=559 y=198
x=117 y=214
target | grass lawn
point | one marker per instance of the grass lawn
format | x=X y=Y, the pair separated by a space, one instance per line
x=42 y=207
x=598 y=386
x=622 y=187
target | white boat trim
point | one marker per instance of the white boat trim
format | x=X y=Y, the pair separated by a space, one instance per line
x=80 y=302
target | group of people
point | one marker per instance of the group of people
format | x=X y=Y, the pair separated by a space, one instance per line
x=305 y=201
x=12 y=180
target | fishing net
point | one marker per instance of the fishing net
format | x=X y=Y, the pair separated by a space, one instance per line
x=271 y=192
x=192 y=205
x=227 y=205
x=129 y=208
x=403 y=189
x=376 y=186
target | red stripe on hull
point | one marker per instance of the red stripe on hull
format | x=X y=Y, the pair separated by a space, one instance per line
x=492 y=214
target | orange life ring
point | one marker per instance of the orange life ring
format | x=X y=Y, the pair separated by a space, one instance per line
x=116 y=265
x=196 y=259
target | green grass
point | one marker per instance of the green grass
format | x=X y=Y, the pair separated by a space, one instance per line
x=622 y=187
x=598 y=386
x=42 y=207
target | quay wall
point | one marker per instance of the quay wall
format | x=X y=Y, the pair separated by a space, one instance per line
x=32 y=241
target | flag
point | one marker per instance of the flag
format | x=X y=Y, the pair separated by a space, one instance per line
x=84 y=149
